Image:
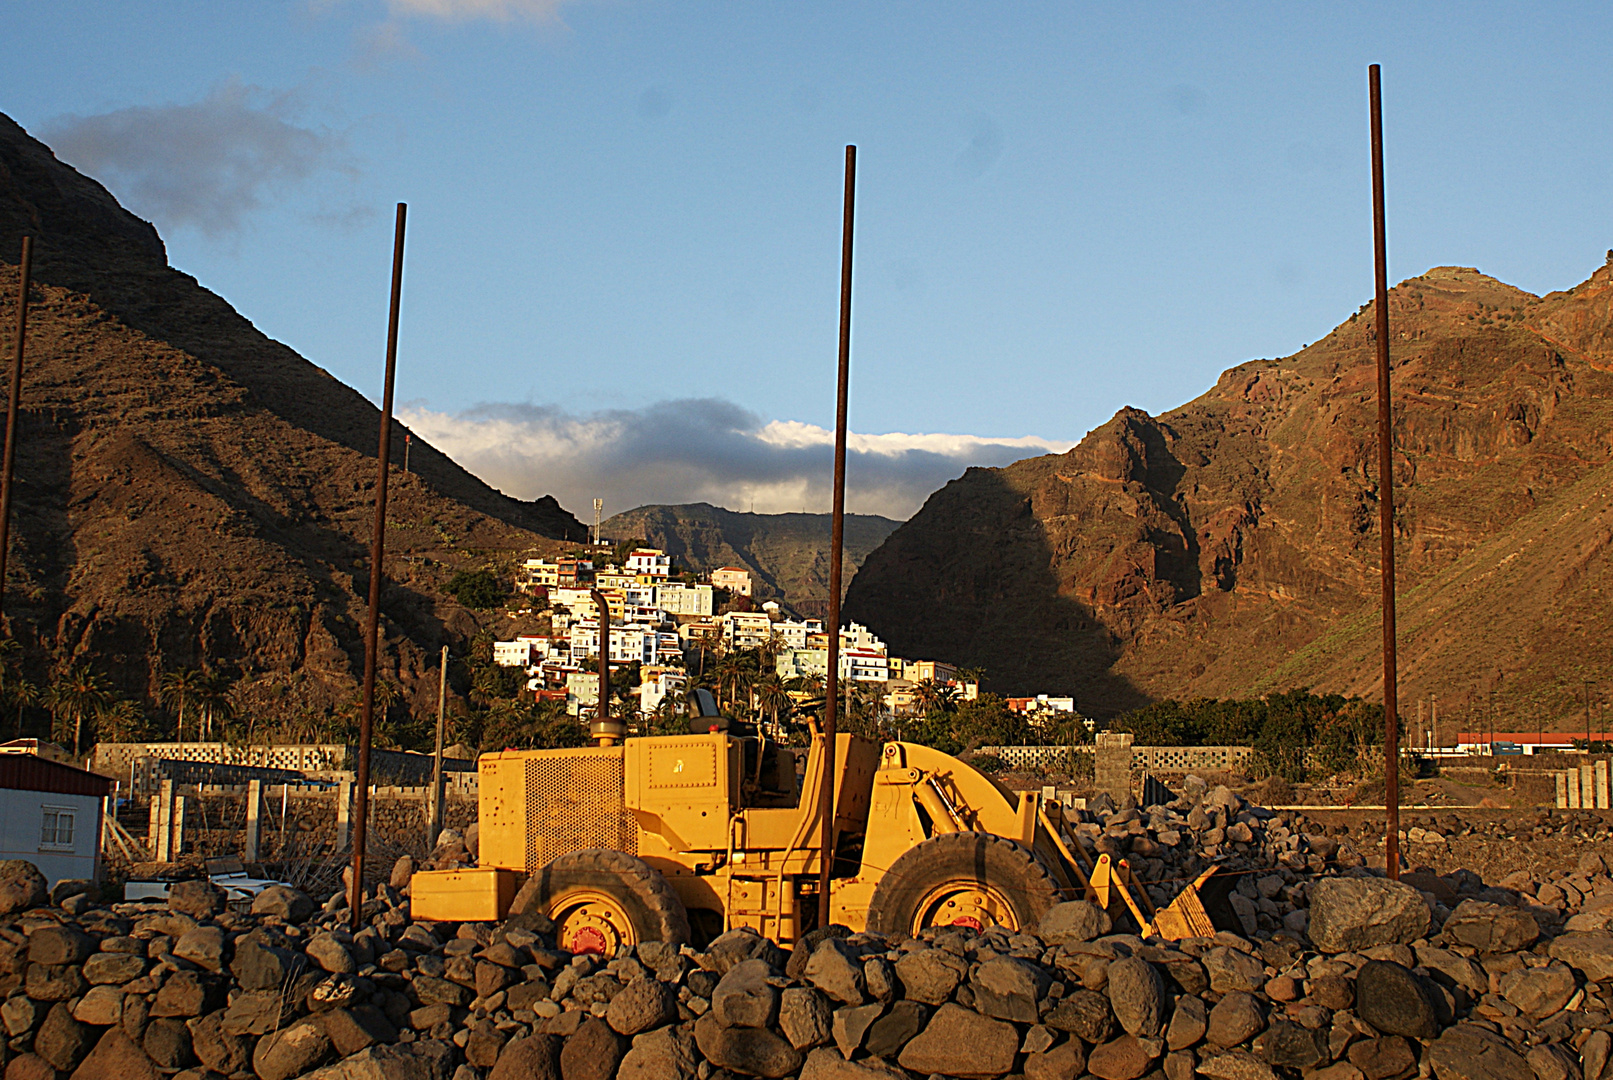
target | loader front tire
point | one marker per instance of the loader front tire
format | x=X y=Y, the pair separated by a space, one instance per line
x=601 y=900
x=962 y=879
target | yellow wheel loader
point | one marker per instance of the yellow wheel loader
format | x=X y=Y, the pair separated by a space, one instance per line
x=678 y=838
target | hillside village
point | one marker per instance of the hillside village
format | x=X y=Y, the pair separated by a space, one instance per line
x=668 y=628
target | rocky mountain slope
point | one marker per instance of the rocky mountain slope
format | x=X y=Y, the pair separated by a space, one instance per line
x=1230 y=546
x=787 y=554
x=191 y=492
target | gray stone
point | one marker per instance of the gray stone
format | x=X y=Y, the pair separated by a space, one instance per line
x=217 y=1049
x=292 y=905
x=826 y=1064
x=851 y=1024
x=1381 y=1059
x=960 y=1042
x=291 y=1052
x=352 y=1029
x=188 y=993
x=1554 y=1062
x=1351 y=914
x=198 y=899
x=643 y=1004
x=1491 y=928
x=203 y=946
x=115 y=1057
x=54 y=982
x=256 y=1012
x=879 y=979
x=59 y=945
x=1189 y=1021
x=1229 y=969
x=1395 y=1000
x=834 y=969
x=423 y=1059
x=737 y=946
x=756 y=1051
x=659 y=1055
x=63 y=1041
x=330 y=954
x=1137 y=996
x=167 y=1043
x=594 y=1053
x=1008 y=988
x=1075 y=921
x=535 y=1057
x=743 y=997
x=113 y=968
x=1065 y=1061
x=1125 y=1058
x=1458 y=969
x=930 y=975
x=805 y=1017
x=21 y=1014
x=259 y=965
x=1539 y=992
x=1236 y=1018
x=1085 y=1013
x=1588 y=952
x=1235 y=1065
x=21 y=886
x=101 y=1007
x=1288 y=1045
x=890 y=1033
x=1470 y=1052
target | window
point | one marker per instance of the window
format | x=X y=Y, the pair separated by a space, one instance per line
x=56 y=829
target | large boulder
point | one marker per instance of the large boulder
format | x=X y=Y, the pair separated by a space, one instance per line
x=1007 y=988
x=1470 y=1052
x=1491 y=928
x=1075 y=921
x=1137 y=995
x=930 y=975
x=292 y=905
x=960 y=1042
x=21 y=886
x=1395 y=1000
x=116 y=1057
x=744 y=997
x=536 y=1057
x=642 y=1004
x=1590 y=953
x=423 y=1059
x=198 y=899
x=662 y=1054
x=834 y=969
x=754 y=1051
x=1351 y=914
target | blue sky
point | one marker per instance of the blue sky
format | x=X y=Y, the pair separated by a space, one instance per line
x=620 y=204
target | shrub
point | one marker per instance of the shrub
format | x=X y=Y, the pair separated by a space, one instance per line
x=477 y=588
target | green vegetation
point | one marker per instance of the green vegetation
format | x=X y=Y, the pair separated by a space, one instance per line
x=1292 y=732
x=478 y=589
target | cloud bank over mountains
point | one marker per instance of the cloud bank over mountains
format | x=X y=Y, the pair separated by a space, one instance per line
x=701 y=450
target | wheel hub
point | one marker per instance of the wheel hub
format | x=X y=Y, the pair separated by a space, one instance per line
x=964 y=904
x=591 y=923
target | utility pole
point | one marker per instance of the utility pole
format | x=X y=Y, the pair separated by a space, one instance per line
x=435 y=827
x=408 y=438
x=1587 y=713
x=1386 y=486
x=25 y=273
x=837 y=536
x=361 y=799
x=599 y=509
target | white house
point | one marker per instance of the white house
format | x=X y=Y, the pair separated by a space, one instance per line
x=50 y=815
x=650 y=561
x=678 y=599
x=746 y=629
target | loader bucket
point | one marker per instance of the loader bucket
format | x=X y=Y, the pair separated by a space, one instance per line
x=1199 y=911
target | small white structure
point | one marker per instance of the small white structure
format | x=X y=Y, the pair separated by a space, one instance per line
x=50 y=815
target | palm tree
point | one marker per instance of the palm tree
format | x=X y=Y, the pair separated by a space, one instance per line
x=771 y=699
x=122 y=720
x=733 y=675
x=21 y=693
x=177 y=690
x=213 y=697
x=76 y=693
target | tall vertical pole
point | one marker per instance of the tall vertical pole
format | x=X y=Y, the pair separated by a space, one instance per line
x=837 y=536
x=25 y=272
x=1386 y=490
x=361 y=797
x=435 y=827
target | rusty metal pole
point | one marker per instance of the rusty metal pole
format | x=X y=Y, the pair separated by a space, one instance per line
x=25 y=272
x=837 y=536
x=1386 y=491
x=361 y=795
x=605 y=732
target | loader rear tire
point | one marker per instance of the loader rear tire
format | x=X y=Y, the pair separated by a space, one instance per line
x=962 y=879
x=601 y=900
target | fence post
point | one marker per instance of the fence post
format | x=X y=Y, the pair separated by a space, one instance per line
x=162 y=813
x=1562 y=789
x=179 y=826
x=1573 y=789
x=344 y=814
x=1111 y=766
x=254 y=818
x=1601 y=786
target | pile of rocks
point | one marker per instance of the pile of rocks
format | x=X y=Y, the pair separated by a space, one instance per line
x=1169 y=844
x=1378 y=987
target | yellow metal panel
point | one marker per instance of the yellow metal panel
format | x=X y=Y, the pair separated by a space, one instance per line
x=680 y=787
x=680 y=765
x=480 y=895
x=501 y=806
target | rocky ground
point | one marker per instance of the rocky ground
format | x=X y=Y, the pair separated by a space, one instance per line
x=1338 y=974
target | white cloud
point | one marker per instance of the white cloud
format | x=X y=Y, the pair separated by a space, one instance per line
x=702 y=450
x=539 y=11
x=206 y=164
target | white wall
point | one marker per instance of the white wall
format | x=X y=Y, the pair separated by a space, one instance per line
x=22 y=814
